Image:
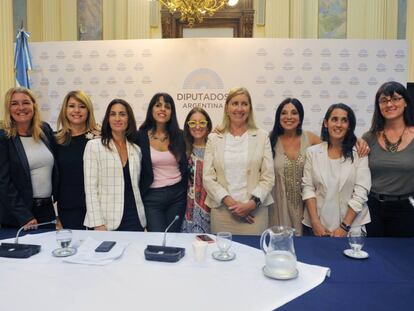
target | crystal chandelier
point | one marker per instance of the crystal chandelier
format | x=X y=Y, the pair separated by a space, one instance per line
x=194 y=11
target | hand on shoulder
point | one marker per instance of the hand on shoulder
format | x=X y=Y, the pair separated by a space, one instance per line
x=313 y=138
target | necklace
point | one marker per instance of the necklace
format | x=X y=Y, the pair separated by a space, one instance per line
x=161 y=139
x=392 y=147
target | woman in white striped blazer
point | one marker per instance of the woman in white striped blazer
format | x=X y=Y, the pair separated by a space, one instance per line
x=112 y=167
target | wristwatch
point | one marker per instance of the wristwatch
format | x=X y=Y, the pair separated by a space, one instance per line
x=256 y=201
x=345 y=226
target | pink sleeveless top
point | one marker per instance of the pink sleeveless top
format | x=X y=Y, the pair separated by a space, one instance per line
x=165 y=168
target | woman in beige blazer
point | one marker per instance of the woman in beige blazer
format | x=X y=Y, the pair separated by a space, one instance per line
x=112 y=167
x=336 y=181
x=238 y=170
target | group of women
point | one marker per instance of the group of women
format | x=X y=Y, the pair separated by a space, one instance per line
x=235 y=177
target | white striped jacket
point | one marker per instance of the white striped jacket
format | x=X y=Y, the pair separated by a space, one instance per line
x=104 y=184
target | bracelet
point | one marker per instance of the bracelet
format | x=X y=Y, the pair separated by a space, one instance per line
x=345 y=227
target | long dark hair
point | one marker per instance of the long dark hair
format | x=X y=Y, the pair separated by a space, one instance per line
x=173 y=130
x=188 y=138
x=350 y=139
x=106 y=131
x=277 y=128
x=389 y=89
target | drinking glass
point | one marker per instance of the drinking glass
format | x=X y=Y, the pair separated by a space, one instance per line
x=356 y=239
x=64 y=238
x=224 y=241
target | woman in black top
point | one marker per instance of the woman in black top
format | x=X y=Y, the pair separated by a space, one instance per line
x=76 y=125
x=161 y=140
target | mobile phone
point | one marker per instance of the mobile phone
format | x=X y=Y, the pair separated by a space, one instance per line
x=105 y=246
x=205 y=238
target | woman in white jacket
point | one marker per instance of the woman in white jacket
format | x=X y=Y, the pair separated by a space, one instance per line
x=238 y=172
x=336 y=180
x=112 y=167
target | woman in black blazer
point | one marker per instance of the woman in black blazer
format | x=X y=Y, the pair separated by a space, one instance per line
x=163 y=182
x=28 y=174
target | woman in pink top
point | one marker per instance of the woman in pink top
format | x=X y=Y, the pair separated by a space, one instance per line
x=163 y=182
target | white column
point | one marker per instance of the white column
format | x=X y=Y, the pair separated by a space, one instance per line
x=375 y=18
x=68 y=20
x=410 y=39
x=35 y=20
x=51 y=20
x=296 y=18
x=108 y=27
x=356 y=19
x=311 y=19
x=277 y=19
x=6 y=48
x=138 y=19
x=120 y=19
x=304 y=18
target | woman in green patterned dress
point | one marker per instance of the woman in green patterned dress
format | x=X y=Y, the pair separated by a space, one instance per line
x=289 y=143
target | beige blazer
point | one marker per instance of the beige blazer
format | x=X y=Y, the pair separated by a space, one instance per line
x=260 y=181
x=104 y=184
x=354 y=185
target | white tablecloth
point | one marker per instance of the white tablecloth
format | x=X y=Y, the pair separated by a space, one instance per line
x=43 y=282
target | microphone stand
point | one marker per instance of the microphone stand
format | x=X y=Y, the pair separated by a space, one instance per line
x=164 y=253
x=16 y=250
x=166 y=230
x=16 y=240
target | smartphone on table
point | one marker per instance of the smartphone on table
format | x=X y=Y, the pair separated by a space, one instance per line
x=105 y=246
x=205 y=238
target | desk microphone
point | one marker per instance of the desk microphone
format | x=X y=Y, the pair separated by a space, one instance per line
x=16 y=240
x=166 y=230
x=164 y=253
x=16 y=250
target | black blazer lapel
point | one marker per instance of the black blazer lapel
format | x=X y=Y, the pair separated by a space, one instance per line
x=22 y=156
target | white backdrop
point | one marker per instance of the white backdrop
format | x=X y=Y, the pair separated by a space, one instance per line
x=201 y=71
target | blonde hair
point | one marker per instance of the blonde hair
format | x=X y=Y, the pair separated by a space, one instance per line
x=63 y=135
x=9 y=125
x=225 y=123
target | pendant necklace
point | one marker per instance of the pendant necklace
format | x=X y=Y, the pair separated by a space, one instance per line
x=161 y=139
x=392 y=147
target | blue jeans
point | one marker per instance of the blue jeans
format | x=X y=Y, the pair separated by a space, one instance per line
x=163 y=204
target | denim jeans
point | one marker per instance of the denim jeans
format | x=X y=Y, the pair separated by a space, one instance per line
x=163 y=204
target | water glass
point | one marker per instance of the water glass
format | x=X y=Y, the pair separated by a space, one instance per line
x=224 y=240
x=63 y=239
x=356 y=239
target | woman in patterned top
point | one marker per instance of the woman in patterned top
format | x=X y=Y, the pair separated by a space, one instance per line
x=197 y=214
x=289 y=145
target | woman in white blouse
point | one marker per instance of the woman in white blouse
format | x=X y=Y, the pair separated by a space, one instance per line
x=112 y=167
x=238 y=170
x=336 y=180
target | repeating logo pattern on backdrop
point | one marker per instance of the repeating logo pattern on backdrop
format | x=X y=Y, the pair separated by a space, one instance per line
x=318 y=72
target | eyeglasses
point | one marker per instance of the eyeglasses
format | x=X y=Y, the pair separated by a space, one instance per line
x=201 y=123
x=394 y=100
